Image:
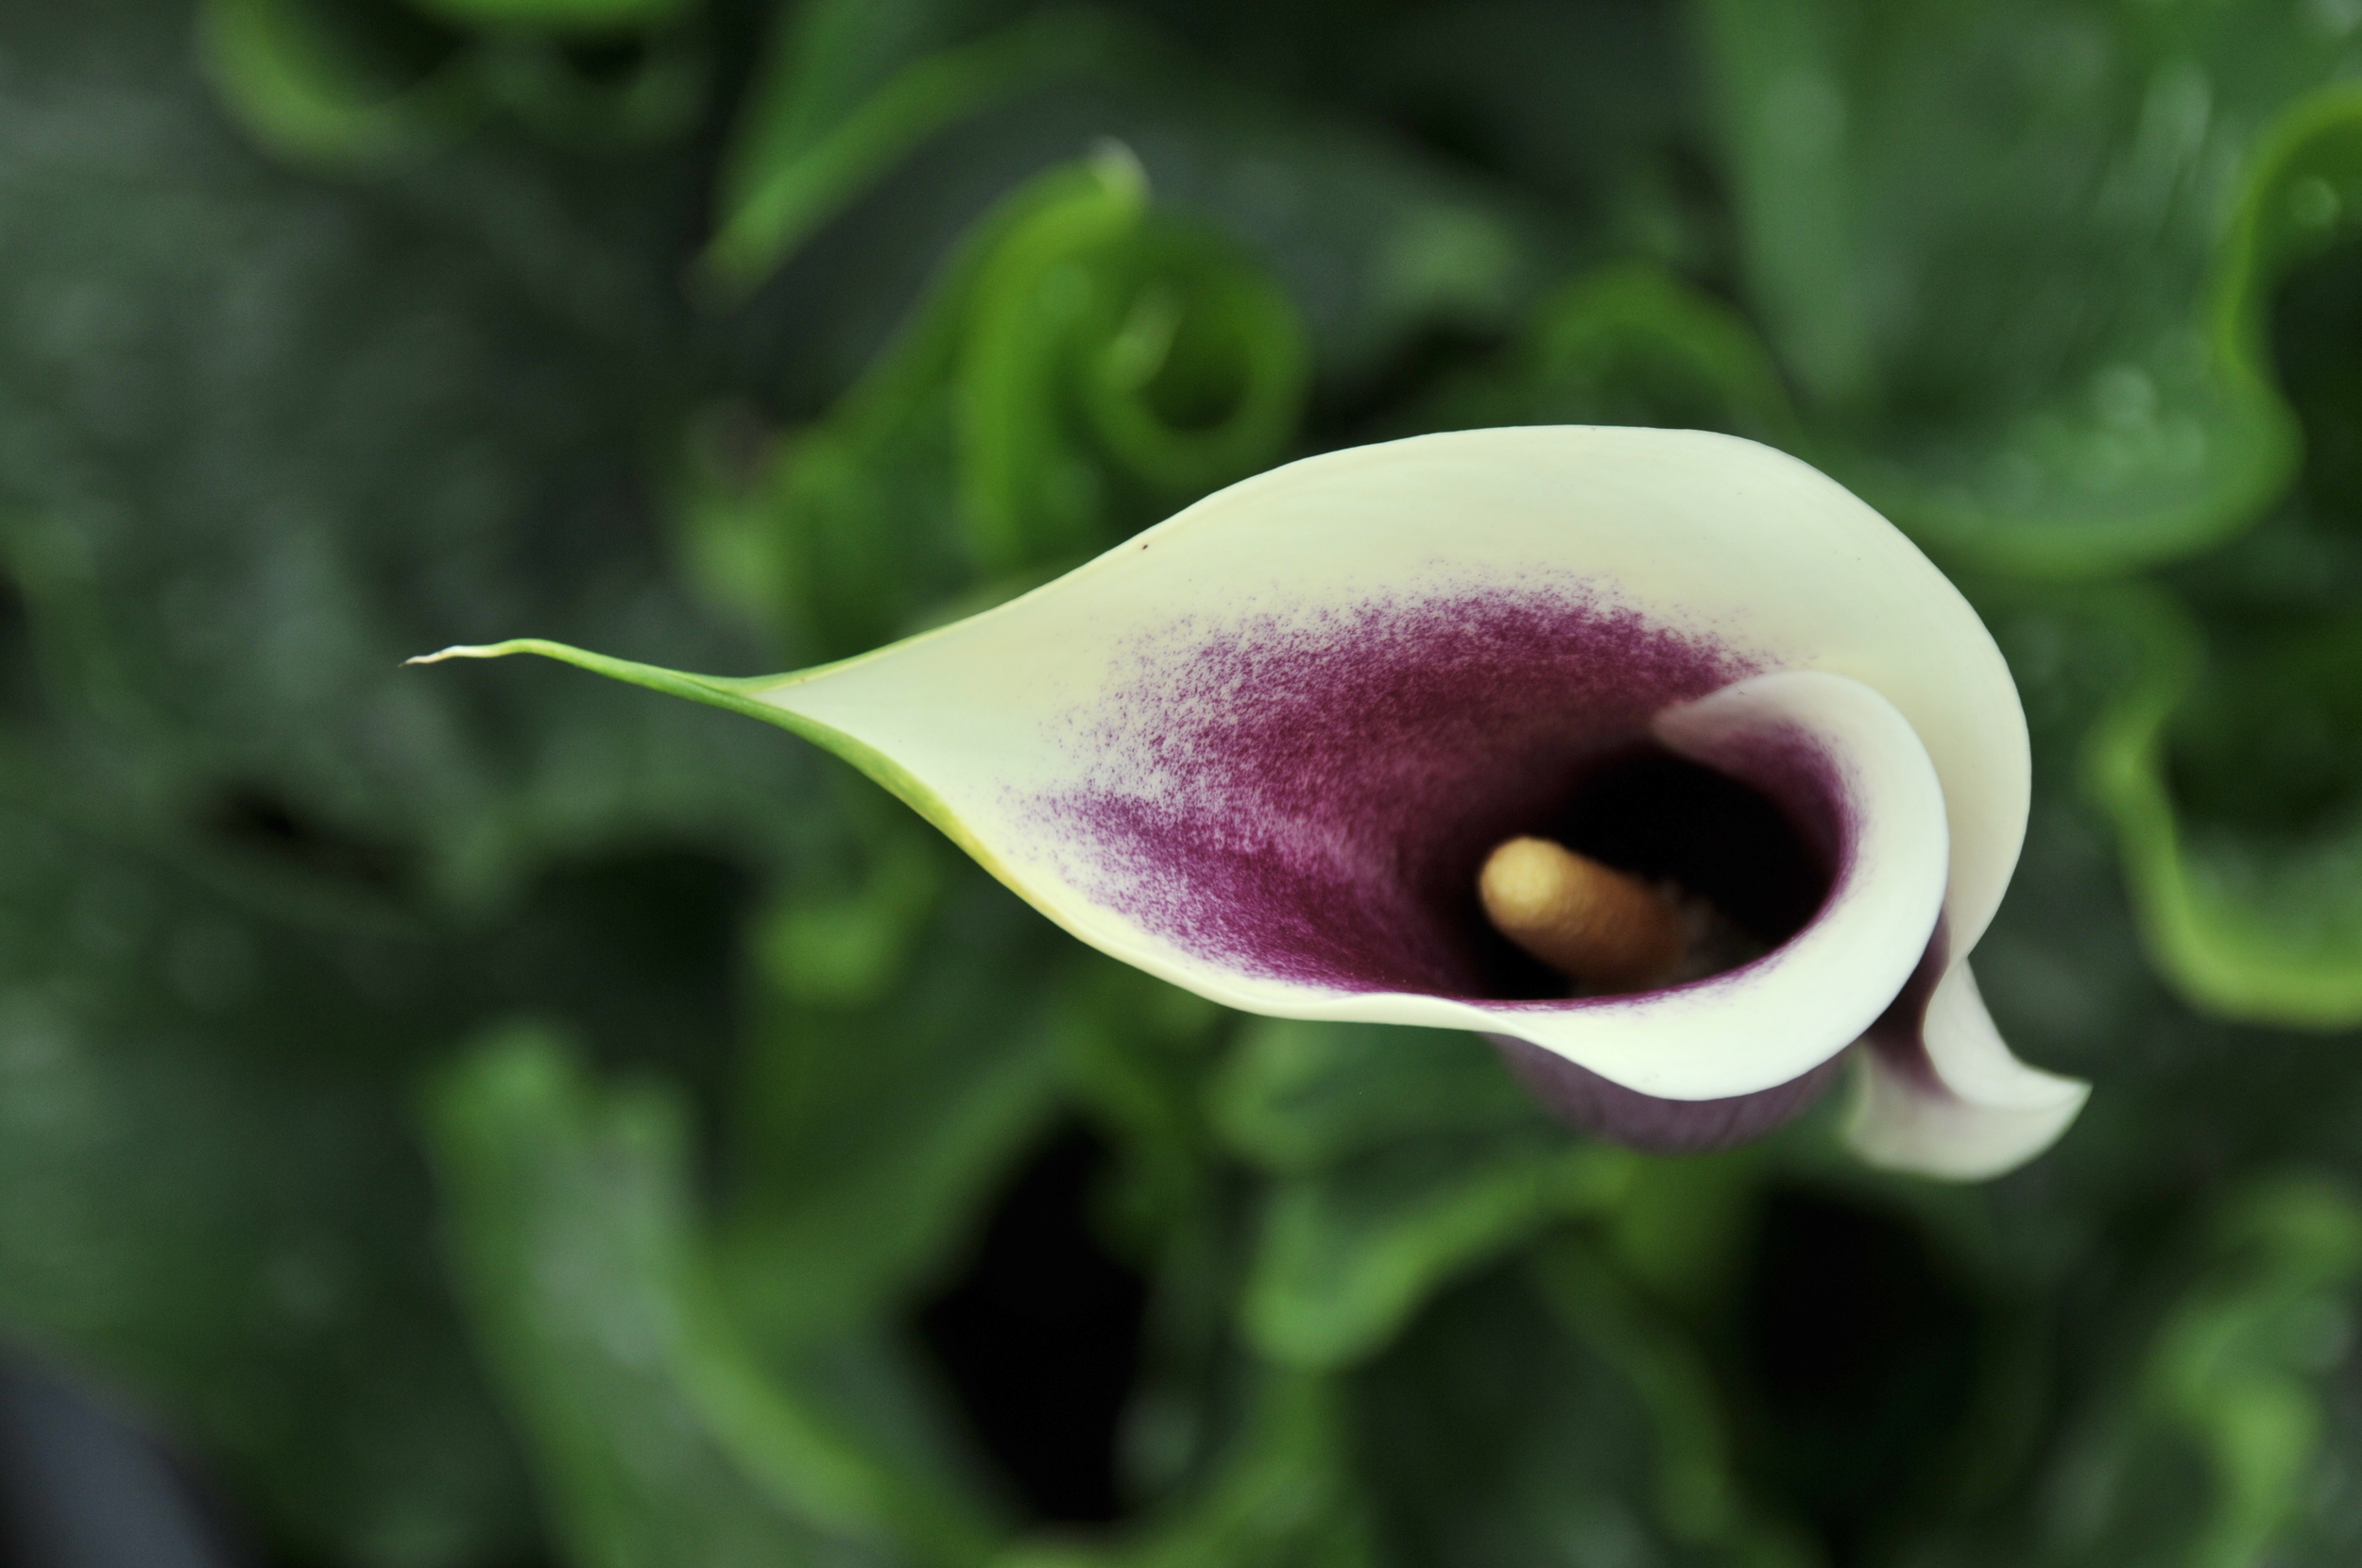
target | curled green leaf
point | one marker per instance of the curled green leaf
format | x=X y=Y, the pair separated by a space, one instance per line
x=871 y=1130
x=1182 y=365
x=1629 y=344
x=657 y=1435
x=2016 y=257
x=1081 y=363
x=2265 y=926
x=848 y=87
x=308 y=91
x=2234 y=1364
x=1700 y=1497
x=345 y=88
x=1298 y=1095
x=2217 y=1450
x=1347 y=1254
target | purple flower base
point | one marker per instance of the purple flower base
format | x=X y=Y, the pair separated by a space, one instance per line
x=1605 y=1109
x=1584 y=1100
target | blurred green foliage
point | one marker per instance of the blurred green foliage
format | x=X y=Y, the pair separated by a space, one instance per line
x=492 y=1119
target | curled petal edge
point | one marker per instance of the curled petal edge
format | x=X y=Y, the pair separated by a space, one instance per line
x=1949 y=1099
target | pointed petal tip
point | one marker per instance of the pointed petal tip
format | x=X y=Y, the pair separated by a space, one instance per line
x=487 y=650
x=1948 y=1139
x=504 y=649
x=1961 y=1108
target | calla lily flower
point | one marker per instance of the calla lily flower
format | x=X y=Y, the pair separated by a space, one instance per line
x=1264 y=750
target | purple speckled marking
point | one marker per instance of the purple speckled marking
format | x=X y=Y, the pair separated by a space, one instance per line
x=1310 y=798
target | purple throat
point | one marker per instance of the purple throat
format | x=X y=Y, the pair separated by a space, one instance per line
x=1310 y=798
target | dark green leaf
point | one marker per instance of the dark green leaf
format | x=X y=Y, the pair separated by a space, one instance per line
x=658 y=1437
x=2017 y=256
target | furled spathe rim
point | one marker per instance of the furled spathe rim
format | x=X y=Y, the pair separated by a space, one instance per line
x=1748 y=599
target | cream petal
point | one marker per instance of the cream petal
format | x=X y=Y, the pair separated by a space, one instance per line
x=1259 y=749
x=1954 y=1102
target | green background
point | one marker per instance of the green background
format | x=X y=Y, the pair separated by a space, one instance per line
x=485 y=1117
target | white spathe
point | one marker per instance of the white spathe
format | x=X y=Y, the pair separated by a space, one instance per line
x=1858 y=644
